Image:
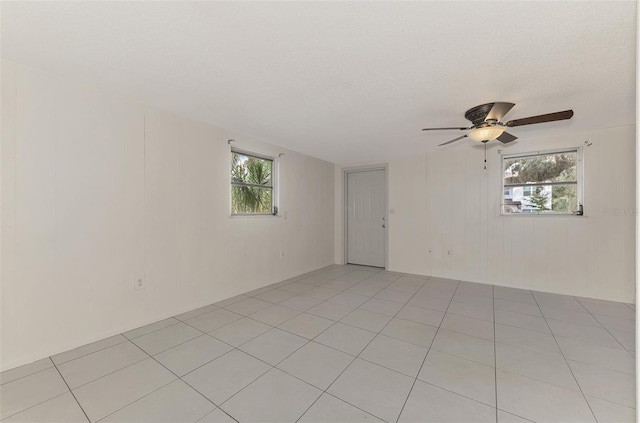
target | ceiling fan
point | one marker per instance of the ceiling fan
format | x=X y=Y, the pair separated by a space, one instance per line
x=487 y=126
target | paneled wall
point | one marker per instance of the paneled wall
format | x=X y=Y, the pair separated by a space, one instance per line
x=98 y=190
x=446 y=201
x=592 y=255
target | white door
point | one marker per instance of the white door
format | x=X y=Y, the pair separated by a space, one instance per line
x=366 y=218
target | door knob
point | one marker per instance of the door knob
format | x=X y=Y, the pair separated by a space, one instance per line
x=384 y=226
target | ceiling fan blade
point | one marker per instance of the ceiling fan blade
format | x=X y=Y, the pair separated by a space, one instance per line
x=441 y=129
x=453 y=140
x=498 y=111
x=506 y=138
x=549 y=117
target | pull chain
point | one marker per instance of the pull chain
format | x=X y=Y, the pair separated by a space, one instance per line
x=485 y=155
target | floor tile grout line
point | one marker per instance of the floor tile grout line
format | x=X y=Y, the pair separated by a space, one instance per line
x=561 y=336
x=544 y=382
x=271 y=328
x=221 y=410
x=134 y=401
x=30 y=374
x=497 y=297
x=425 y=357
x=610 y=401
x=226 y=324
x=596 y=344
x=573 y=360
x=460 y=357
x=109 y=373
x=197 y=315
x=307 y=339
x=354 y=359
x=193 y=339
x=582 y=303
x=278 y=327
x=573 y=323
x=35 y=405
x=249 y=296
x=322 y=299
x=553 y=355
x=570 y=369
x=304 y=276
x=177 y=345
x=275 y=366
x=92 y=352
x=137 y=399
x=358 y=356
x=555 y=336
x=598 y=314
x=429 y=308
x=513 y=414
x=177 y=378
x=495 y=352
x=334 y=279
x=345 y=401
x=272 y=366
x=468 y=317
x=310 y=274
x=520 y=327
x=605 y=328
x=71 y=392
x=599 y=325
x=525 y=314
x=389 y=336
x=153 y=331
x=456 y=393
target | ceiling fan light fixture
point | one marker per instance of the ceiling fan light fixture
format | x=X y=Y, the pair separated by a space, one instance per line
x=485 y=134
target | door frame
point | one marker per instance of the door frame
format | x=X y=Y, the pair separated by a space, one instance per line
x=345 y=205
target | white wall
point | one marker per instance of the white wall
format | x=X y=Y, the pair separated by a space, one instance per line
x=446 y=200
x=97 y=190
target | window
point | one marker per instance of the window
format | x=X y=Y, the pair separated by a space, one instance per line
x=527 y=191
x=542 y=182
x=252 y=188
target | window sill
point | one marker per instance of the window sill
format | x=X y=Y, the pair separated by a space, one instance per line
x=562 y=215
x=252 y=216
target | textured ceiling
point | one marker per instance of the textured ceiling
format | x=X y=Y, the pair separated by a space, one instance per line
x=343 y=81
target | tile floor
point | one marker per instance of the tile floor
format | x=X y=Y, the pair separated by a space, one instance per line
x=349 y=344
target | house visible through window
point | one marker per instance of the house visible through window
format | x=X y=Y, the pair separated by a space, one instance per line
x=252 y=188
x=542 y=182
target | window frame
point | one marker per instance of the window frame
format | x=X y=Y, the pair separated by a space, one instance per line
x=274 y=183
x=579 y=180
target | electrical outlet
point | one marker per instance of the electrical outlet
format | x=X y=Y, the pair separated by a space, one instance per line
x=450 y=252
x=139 y=283
x=281 y=254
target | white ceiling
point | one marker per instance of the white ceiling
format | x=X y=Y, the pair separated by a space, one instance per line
x=343 y=81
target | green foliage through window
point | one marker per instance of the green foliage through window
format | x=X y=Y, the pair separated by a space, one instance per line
x=251 y=184
x=541 y=183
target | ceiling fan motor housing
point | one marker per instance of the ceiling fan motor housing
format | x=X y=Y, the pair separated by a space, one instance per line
x=478 y=114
